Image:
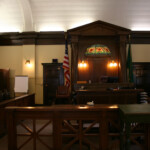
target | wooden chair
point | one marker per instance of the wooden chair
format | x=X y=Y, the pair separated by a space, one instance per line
x=62 y=95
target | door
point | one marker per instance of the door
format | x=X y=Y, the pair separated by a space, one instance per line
x=53 y=76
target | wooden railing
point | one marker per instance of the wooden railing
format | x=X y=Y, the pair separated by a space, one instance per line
x=70 y=125
x=24 y=100
x=63 y=127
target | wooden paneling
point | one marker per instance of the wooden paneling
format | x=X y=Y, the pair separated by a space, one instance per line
x=140 y=37
x=114 y=37
x=97 y=66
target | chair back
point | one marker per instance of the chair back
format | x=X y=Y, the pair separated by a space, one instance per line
x=62 y=90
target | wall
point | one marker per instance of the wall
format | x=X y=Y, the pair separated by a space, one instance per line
x=140 y=52
x=28 y=53
x=45 y=54
x=13 y=57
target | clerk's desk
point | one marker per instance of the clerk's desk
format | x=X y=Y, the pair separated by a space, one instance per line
x=132 y=113
x=103 y=96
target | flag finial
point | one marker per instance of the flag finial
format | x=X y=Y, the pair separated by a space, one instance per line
x=66 y=35
x=129 y=38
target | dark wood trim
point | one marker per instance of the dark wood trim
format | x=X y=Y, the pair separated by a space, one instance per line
x=140 y=37
x=145 y=64
x=114 y=29
x=14 y=100
x=32 y=38
x=58 y=38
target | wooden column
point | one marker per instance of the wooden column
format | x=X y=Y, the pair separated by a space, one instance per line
x=74 y=60
x=122 y=58
x=57 y=128
x=103 y=131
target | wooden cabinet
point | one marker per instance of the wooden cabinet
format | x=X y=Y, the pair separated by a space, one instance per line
x=53 y=76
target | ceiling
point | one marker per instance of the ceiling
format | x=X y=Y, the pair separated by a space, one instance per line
x=61 y=15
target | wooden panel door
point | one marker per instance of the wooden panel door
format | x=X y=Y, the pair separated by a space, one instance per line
x=141 y=75
x=53 y=76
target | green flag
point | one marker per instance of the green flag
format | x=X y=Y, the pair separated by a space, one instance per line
x=129 y=65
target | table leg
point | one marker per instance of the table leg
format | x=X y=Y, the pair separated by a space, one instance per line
x=121 y=135
x=147 y=136
x=127 y=132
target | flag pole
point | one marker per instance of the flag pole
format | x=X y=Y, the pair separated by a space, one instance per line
x=66 y=36
x=128 y=75
x=129 y=63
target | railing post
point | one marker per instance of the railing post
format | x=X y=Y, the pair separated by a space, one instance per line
x=57 y=127
x=11 y=129
x=103 y=131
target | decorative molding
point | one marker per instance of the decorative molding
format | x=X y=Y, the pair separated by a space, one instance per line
x=51 y=38
x=99 y=28
x=35 y=38
x=140 y=37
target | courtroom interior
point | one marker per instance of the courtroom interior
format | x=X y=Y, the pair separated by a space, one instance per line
x=74 y=75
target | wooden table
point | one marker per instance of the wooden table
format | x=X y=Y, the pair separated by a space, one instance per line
x=132 y=113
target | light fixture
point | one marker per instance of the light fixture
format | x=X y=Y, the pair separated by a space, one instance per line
x=28 y=63
x=82 y=64
x=113 y=64
x=98 y=50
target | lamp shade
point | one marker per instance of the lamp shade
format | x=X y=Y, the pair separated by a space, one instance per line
x=98 y=49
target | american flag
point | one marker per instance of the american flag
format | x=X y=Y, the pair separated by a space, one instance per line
x=66 y=66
